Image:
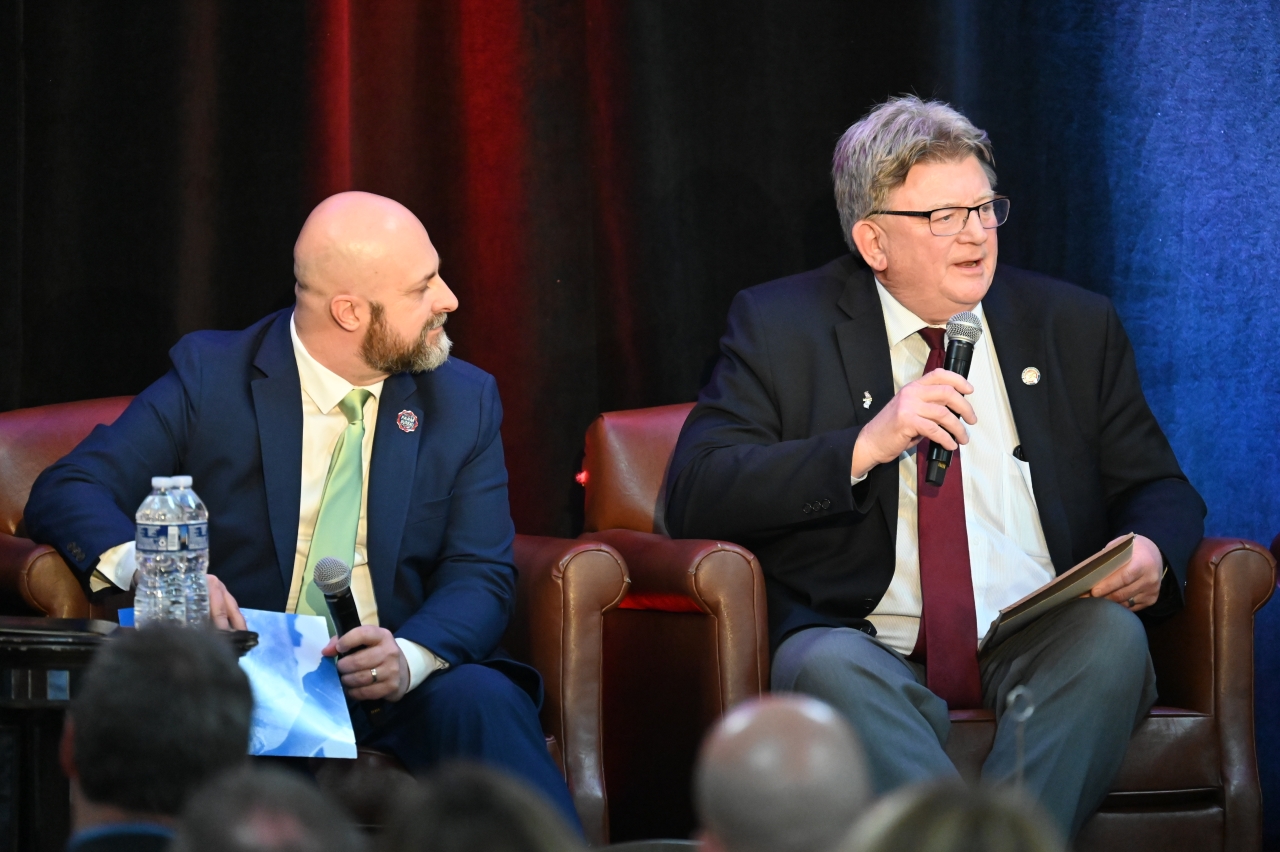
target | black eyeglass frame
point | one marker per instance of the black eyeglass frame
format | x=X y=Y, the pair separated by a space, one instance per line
x=968 y=211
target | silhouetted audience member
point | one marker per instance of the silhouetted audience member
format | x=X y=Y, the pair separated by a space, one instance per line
x=264 y=809
x=160 y=712
x=469 y=808
x=784 y=773
x=952 y=817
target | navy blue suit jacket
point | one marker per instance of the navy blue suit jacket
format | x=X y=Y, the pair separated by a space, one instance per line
x=229 y=414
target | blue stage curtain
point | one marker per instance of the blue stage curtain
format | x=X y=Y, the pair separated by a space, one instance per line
x=1140 y=142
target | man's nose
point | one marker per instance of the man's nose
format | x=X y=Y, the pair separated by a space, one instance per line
x=973 y=232
x=446 y=302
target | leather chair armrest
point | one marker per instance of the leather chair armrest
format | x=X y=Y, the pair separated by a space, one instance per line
x=565 y=588
x=720 y=579
x=37 y=576
x=1204 y=654
x=1204 y=662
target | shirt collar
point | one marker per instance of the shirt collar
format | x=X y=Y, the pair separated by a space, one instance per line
x=325 y=387
x=899 y=321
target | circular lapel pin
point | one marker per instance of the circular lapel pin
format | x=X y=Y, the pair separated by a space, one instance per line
x=408 y=421
x=1030 y=376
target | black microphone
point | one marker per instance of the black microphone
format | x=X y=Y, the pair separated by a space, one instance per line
x=333 y=577
x=964 y=329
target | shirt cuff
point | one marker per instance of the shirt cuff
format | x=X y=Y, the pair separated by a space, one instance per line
x=421 y=662
x=854 y=480
x=116 y=568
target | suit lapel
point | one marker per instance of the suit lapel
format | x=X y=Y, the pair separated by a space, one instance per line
x=391 y=476
x=1020 y=343
x=864 y=349
x=277 y=402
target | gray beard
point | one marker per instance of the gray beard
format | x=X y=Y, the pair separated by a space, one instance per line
x=387 y=354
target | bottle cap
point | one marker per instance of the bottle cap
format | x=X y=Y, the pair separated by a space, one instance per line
x=161 y=482
x=182 y=481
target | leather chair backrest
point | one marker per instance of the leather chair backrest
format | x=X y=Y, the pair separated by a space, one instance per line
x=31 y=439
x=625 y=464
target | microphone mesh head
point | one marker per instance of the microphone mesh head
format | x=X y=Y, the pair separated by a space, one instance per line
x=332 y=575
x=965 y=326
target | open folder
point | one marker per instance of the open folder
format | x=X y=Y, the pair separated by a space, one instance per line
x=1067 y=586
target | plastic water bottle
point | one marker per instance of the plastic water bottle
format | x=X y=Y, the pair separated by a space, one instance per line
x=195 y=557
x=159 y=597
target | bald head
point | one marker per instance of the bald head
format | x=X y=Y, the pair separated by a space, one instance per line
x=370 y=299
x=357 y=242
x=784 y=773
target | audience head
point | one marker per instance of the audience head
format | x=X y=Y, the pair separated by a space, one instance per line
x=953 y=817
x=467 y=808
x=264 y=809
x=160 y=712
x=370 y=299
x=784 y=773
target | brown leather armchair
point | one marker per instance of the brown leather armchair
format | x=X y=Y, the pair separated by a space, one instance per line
x=565 y=589
x=688 y=641
x=1189 y=779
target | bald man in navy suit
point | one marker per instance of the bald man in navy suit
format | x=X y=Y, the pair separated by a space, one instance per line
x=258 y=417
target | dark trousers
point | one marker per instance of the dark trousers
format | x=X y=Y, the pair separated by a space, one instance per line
x=470 y=712
x=1085 y=663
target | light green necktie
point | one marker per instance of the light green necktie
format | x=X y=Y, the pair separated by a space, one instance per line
x=339 y=517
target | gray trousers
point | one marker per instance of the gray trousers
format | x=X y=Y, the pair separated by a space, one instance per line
x=1085 y=663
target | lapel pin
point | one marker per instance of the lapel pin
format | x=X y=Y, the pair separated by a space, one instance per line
x=866 y=399
x=1031 y=376
x=408 y=421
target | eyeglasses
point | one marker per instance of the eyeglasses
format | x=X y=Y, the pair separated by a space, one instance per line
x=949 y=221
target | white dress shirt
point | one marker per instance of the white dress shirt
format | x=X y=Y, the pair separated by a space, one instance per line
x=1008 y=555
x=322 y=424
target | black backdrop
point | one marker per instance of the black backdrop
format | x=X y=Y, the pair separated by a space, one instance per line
x=159 y=159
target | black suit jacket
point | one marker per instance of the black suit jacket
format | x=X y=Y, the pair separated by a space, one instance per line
x=764 y=458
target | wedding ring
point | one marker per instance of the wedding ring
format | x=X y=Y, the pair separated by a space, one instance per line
x=1129 y=603
x=374 y=672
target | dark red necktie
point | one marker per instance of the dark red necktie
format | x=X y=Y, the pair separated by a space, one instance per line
x=948 y=640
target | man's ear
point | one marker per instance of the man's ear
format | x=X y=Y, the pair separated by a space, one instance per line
x=869 y=238
x=67 y=749
x=345 y=311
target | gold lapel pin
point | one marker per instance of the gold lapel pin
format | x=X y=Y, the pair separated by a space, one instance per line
x=866 y=399
x=1031 y=376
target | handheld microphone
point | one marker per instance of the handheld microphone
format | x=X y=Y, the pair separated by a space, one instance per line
x=963 y=330
x=333 y=577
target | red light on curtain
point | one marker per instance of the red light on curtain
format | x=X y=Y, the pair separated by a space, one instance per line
x=331 y=98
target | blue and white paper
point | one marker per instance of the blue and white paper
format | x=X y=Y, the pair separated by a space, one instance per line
x=299 y=709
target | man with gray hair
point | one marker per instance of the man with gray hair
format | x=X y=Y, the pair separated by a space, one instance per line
x=780 y=774
x=882 y=580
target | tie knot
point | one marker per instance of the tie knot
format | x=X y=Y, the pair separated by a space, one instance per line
x=933 y=337
x=352 y=404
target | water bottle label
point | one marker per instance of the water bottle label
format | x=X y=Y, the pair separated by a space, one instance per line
x=165 y=538
x=198 y=536
x=157 y=537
